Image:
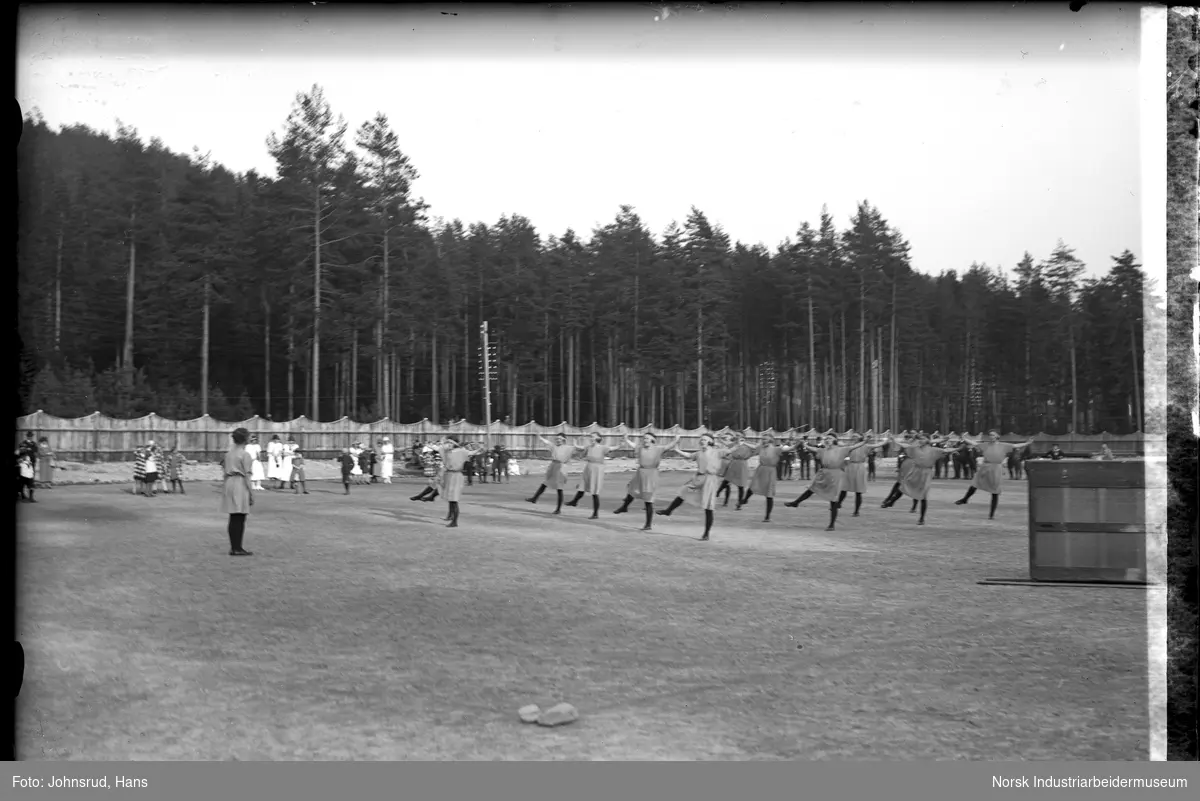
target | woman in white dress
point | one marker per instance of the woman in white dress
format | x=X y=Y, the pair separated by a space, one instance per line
x=275 y=462
x=389 y=451
x=286 y=462
x=254 y=450
x=355 y=451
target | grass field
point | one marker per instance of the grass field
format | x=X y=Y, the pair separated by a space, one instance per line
x=364 y=629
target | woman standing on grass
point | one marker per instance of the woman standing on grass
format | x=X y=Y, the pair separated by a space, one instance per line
x=591 y=481
x=827 y=484
x=237 y=497
x=702 y=488
x=388 y=467
x=644 y=483
x=770 y=454
x=922 y=457
x=257 y=474
x=990 y=476
x=275 y=462
x=560 y=455
x=455 y=457
x=737 y=468
x=285 y=464
x=855 y=479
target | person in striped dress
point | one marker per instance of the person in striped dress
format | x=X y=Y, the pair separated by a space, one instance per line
x=990 y=476
x=139 y=470
x=431 y=465
x=560 y=454
x=827 y=484
x=644 y=483
x=770 y=454
x=922 y=456
x=737 y=468
x=592 y=479
x=701 y=490
x=855 y=478
x=455 y=457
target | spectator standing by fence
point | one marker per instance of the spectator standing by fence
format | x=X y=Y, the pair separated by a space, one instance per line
x=389 y=460
x=45 y=463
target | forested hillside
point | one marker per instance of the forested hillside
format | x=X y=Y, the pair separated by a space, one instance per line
x=157 y=281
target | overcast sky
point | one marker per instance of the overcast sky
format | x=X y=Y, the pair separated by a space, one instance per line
x=980 y=132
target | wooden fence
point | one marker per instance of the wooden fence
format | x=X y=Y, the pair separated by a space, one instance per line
x=97 y=438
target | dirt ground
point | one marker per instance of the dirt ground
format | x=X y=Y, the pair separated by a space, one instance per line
x=363 y=628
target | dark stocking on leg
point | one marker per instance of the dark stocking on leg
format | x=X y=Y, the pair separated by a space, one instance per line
x=922 y=520
x=708 y=520
x=995 y=503
x=744 y=498
x=649 y=516
x=965 y=498
x=807 y=494
x=857 y=502
x=675 y=504
x=833 y=510
x=841 y=497
x=558 y=507
x=575 y=501
x=240 y=533
x=595 y=507
x=538 y=494
x=624 y=505
x=770 y=506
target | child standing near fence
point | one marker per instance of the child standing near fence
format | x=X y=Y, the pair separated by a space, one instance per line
x=297 y=476
x=348 y=464
x=175 y=464
x=25 y=476
x=139 y=471
x=153 y=462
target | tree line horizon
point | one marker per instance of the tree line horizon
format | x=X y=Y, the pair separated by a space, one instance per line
x=151 y=281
